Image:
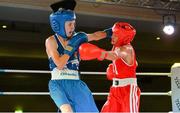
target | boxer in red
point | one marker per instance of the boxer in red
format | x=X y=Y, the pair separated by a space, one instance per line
x=124 y=95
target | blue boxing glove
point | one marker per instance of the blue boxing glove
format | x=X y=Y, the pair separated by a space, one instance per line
x=108 y=33
x=75 y=42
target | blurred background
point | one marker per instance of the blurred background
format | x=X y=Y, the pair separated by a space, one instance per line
x=24 y=26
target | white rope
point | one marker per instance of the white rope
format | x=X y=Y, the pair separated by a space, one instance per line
x=154 y=74
x=22 y=71
x=95 y=93
x=24 y=93
x=85 y=73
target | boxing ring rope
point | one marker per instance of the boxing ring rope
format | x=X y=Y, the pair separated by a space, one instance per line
x=174 y=93
x=94 y=93
x=85 y=73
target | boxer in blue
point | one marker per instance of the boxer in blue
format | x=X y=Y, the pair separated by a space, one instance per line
x=69 y=93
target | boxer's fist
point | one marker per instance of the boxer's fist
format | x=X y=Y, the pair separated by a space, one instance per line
x=75 y=42
x=89 y=51
x=109 y=72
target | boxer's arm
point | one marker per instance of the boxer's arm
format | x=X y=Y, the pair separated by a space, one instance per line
x=89 y=52
x=107 y=33
x=96 y=35
x=75 y=42
x=111 y=55
x=51 y=50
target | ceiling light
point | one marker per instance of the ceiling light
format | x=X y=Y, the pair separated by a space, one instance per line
x=169 y=22
x=158 y=38
x=4 y=26
x=168 y=29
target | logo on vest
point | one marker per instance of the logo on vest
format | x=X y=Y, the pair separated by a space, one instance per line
x=177 y=104
x=177 y=82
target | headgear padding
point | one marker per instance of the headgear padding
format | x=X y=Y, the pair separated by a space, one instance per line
x=125 y=33
x=58 y=19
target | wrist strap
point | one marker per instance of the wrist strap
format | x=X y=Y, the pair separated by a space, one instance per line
x=108 y=32
x=103 y=56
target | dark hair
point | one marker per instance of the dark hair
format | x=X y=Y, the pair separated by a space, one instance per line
x=65 y=4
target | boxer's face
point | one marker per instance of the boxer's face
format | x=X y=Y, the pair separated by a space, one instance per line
x=114 y=39
x=69 y=28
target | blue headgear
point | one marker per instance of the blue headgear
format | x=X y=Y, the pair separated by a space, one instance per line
x=58 y=19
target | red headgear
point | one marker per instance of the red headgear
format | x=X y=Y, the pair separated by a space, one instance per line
x=125 y=33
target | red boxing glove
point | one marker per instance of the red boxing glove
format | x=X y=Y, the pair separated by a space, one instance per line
x=89 y=51
x=109 y=72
